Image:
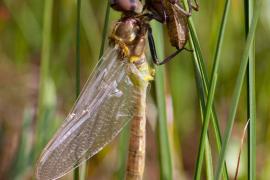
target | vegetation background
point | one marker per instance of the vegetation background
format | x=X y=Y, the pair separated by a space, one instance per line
x=38 y=87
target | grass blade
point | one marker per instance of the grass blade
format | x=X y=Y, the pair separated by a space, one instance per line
x=45 y=54
x=251 y=99
x=46 y=87
x=78 y=60
x=212 y=90
x=105 y=29
x=203 y=137
x=164 y=145
x=78 y=39
x=209 y=161
x=240 y=151
x=91 y=30
x=208 y=154
x=237 y=90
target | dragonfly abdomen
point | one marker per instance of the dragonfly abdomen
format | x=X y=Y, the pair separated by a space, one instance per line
x=136 y=155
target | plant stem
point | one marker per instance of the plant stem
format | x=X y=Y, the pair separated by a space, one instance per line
x=45 y=53
x=200 y=91
x=251 y=98
x=78 y=60
x=164 y=145
x=105 y=29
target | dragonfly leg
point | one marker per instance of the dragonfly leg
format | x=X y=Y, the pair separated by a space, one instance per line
x=190 y=7
x=154 y=52
x=152 y=46
x=170 y=57
x=160 y=18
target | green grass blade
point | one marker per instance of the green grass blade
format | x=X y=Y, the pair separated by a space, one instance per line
x=251 y=99
x=208 y=154
x=105 y=29
x=45 y=54
x=164 y=145
x=44 y=104
x=90 y=26
x=78 y=39
x=237 y=90
x=212 y=90
x=78 y=60
x=209 y=161
x=203 y=137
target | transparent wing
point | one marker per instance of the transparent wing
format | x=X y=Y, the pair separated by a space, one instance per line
x=105 y=105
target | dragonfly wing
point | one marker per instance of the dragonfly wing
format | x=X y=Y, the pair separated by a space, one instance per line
x=105 y=105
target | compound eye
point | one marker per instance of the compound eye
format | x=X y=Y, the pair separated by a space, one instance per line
x=127 y=5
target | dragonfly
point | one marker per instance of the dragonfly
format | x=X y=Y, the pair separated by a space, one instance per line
x=114 y=94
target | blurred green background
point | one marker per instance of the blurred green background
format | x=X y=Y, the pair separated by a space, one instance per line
x=26 y=125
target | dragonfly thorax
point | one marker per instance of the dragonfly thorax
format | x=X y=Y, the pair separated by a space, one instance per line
x=130 y=35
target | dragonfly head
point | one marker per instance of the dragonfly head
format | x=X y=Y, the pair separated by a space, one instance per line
x=127 y=6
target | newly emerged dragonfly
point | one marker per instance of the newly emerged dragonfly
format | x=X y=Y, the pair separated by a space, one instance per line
x=114 y=94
